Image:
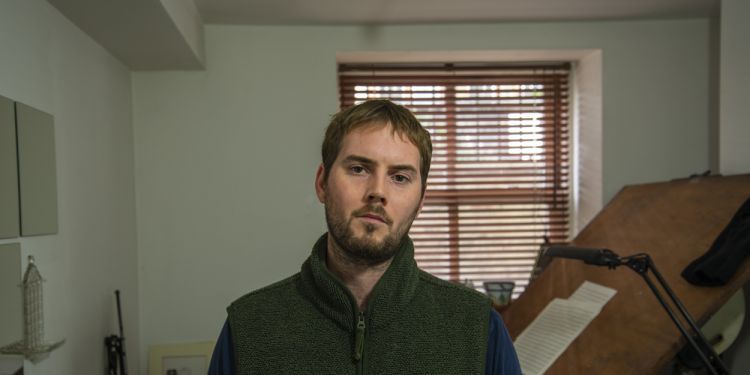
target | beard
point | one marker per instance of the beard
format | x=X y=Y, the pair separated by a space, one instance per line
x=366 y=249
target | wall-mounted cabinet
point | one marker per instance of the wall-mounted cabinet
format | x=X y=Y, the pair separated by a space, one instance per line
x=9 y=215
x=37 y=171
x=28 y=171
x=11 y=309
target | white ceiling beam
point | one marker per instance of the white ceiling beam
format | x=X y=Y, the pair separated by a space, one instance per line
x=143 y=34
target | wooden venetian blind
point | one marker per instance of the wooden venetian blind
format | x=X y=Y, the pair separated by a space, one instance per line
x=498 y=185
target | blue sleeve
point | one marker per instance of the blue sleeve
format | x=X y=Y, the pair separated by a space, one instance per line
x=501 y=356
x=222 y=361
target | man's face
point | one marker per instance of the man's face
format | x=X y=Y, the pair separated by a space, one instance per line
x=373 y=193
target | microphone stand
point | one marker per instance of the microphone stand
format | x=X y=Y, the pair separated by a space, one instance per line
x=641 y=264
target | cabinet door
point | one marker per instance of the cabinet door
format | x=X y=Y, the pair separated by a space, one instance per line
x=11 y=309
x=37 y=171
x=9 y=222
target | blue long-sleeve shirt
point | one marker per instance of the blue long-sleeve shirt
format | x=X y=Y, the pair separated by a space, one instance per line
x=501 y=356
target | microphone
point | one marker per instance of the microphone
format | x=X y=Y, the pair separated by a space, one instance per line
x=597 y=257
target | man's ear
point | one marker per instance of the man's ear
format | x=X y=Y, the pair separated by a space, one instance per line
x=320 y=183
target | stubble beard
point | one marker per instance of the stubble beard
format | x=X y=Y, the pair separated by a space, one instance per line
x=366 y=250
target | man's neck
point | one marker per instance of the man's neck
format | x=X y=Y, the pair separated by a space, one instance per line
x=359 y=278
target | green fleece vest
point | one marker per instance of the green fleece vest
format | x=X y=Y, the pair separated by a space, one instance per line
x=309 y=323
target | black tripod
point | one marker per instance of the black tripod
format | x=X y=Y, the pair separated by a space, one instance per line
x=116 y=347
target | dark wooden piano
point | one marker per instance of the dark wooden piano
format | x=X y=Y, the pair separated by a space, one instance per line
x=674 y=222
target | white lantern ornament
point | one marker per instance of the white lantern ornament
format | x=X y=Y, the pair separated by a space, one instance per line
x=32 y=346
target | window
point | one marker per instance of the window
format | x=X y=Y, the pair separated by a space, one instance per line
x=498 y=185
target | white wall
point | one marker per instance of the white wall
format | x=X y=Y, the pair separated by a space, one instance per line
x=48 y=63
x=587 y=141
x=734 y=107
x=734 y=127
x=225 y=158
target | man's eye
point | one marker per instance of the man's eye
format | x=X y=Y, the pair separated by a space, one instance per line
x=357 y=169
x=401 y=178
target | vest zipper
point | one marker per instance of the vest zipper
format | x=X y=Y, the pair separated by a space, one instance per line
x=359 y=343
x=359 y=340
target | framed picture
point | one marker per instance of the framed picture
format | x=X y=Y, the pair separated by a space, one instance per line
x=499 y=291
x=180 y=359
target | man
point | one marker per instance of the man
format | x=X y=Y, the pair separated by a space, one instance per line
x=360 y=304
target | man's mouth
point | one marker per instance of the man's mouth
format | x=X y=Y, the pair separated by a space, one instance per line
x=374 y=217
x=372 y=214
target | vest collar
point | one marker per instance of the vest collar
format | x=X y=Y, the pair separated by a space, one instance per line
x=392 y=293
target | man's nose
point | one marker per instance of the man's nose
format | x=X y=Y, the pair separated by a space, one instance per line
x=376 y=190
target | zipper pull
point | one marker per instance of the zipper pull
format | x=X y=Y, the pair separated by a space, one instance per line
x=359 y=340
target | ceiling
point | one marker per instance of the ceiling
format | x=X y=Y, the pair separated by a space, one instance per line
x=430 y=11
x=168 y=34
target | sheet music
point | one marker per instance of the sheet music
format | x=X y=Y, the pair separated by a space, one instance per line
x=593 y=292
x=539 y=345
